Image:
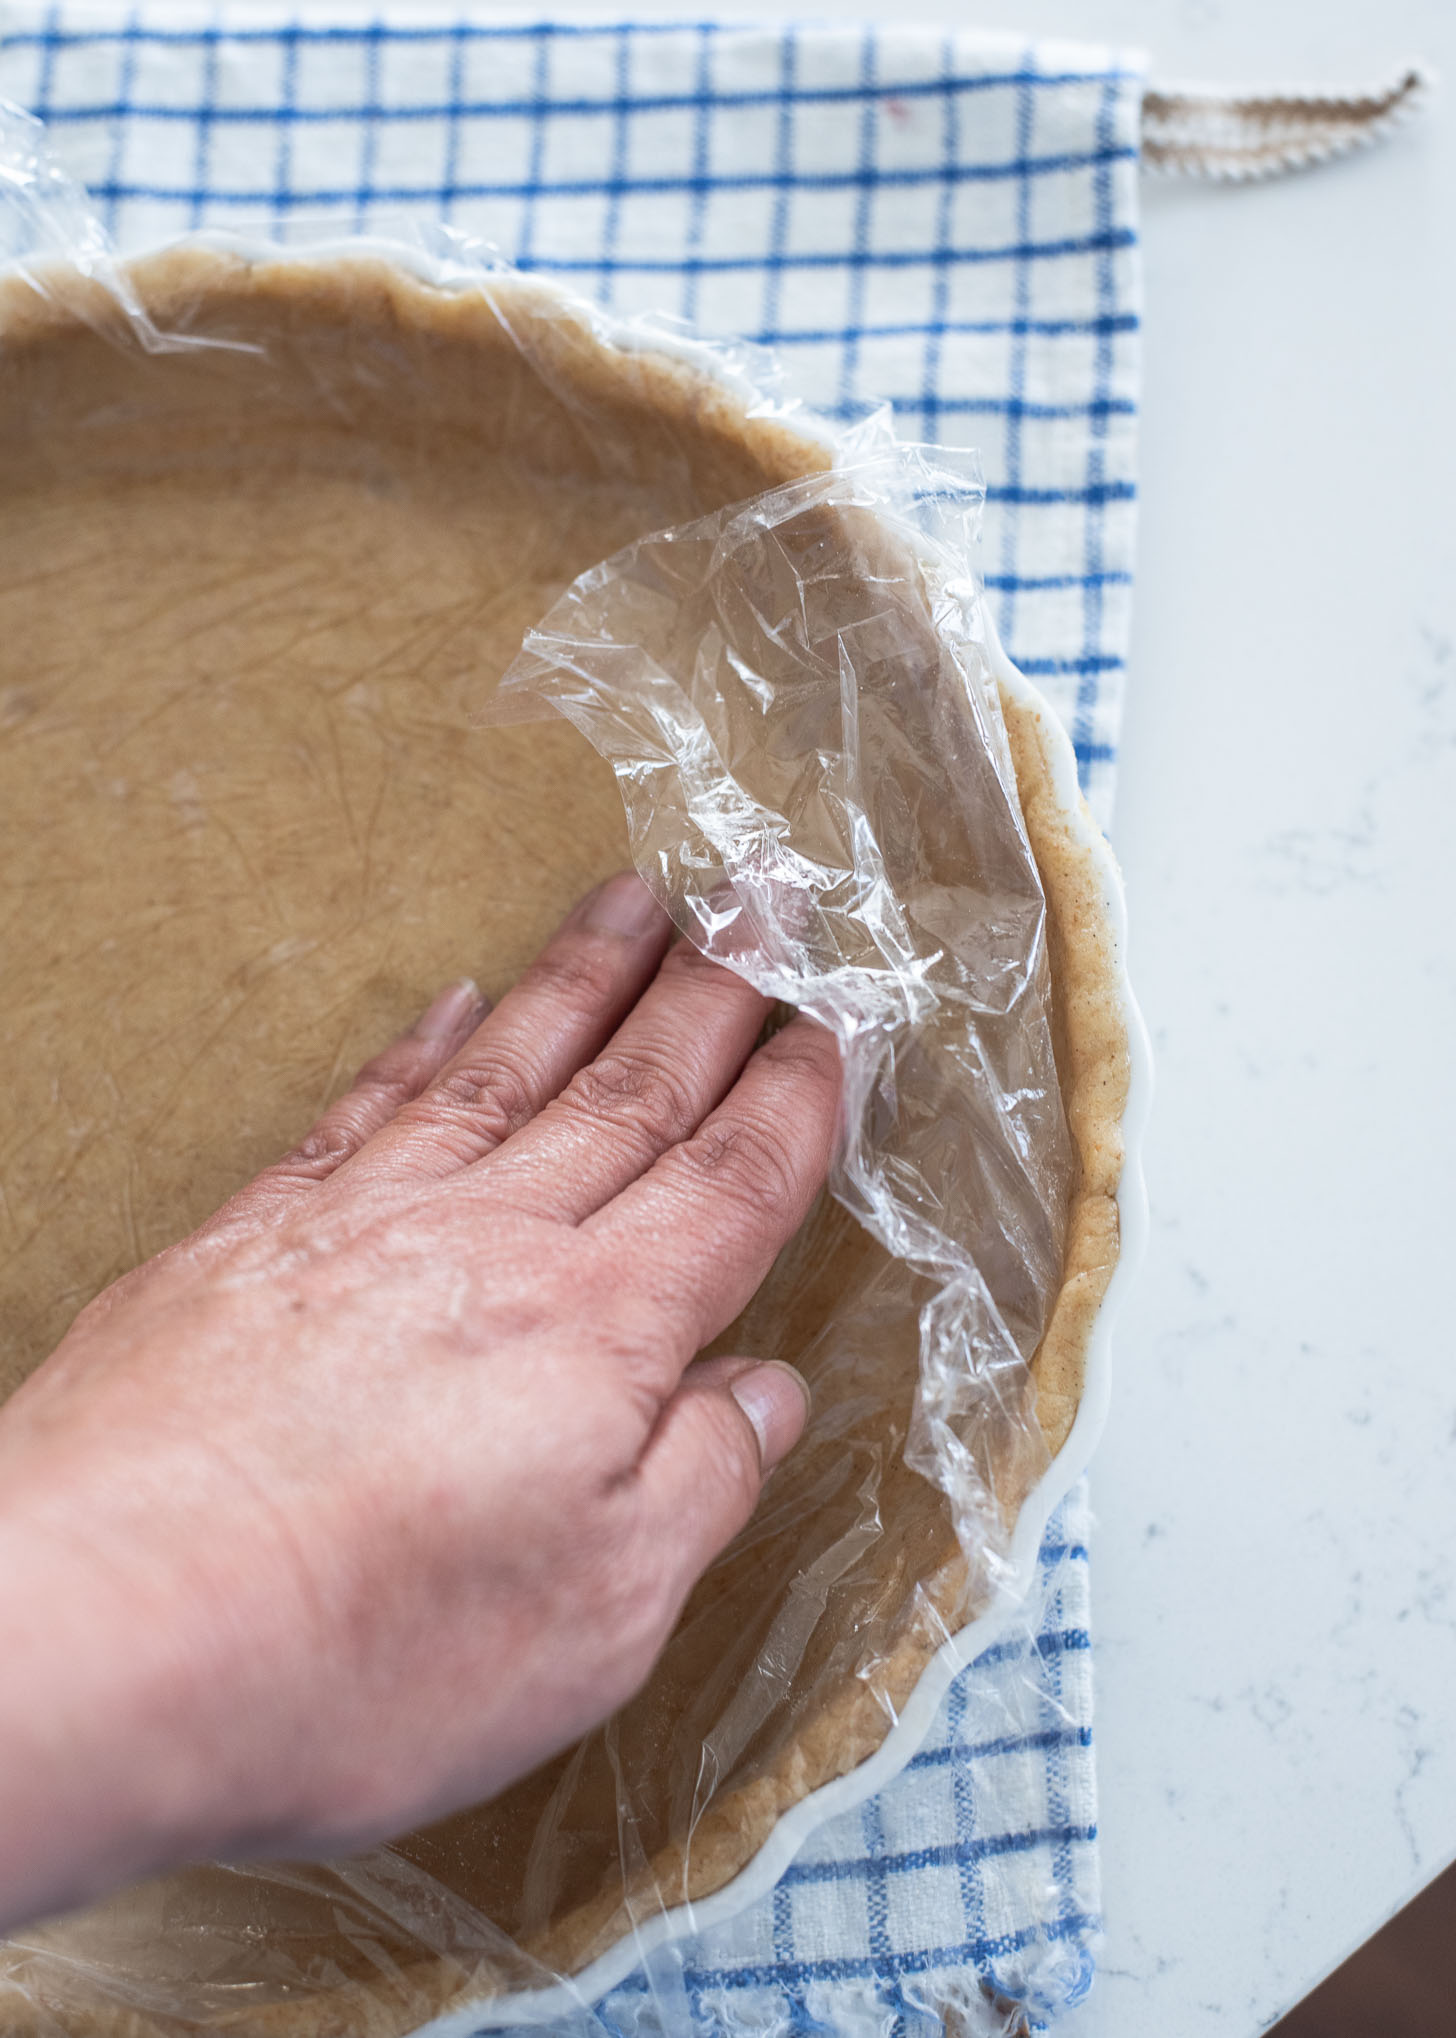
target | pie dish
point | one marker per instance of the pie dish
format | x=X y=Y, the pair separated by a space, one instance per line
x=247 y=816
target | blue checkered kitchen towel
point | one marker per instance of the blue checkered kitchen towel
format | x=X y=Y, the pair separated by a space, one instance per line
x=946 y=223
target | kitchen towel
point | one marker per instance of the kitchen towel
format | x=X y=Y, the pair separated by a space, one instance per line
x=947 y=224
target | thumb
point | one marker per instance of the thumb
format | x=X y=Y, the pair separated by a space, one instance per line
x=729 y=1423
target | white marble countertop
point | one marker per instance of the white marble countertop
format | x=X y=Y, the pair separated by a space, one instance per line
x=1274 y=1579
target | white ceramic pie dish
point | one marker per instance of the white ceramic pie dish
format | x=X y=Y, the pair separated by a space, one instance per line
x=543 y=2007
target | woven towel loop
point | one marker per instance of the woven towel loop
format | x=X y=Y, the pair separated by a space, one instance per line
x=1233 y=136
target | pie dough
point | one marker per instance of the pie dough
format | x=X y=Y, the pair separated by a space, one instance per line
x=246 y=600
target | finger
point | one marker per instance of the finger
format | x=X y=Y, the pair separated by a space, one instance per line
x=560 y=1014
x=385 y=1083
x=705 y=1223
x=669 y=1062
x=702 y=1472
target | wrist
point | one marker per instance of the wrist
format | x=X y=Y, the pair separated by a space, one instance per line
x=113 y=1765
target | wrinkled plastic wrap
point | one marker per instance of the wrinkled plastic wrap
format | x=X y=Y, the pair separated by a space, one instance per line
x=795 y=694
x=796 y=700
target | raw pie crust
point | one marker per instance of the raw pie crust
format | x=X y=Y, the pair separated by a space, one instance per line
x=239 y=620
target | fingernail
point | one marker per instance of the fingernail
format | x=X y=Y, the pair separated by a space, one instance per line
x=776 y=1400
x=623 y=905
x=450 y=1012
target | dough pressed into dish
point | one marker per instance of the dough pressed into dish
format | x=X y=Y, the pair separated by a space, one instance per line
x=247 y=597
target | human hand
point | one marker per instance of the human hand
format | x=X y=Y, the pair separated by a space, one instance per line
x=392 y=1479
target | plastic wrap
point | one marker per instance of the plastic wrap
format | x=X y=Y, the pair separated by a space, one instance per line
x=795 y=697
x=794 y=689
